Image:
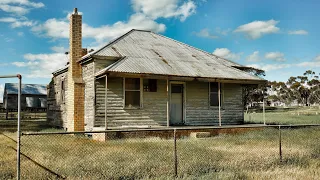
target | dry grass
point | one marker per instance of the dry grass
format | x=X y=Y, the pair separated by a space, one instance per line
x=297 y=115
x=252 y=155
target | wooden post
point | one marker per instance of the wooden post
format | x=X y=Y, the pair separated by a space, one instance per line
x=175 y=152
x=280 y=148
x=106 y=104
x=168 y=108
x=7 y=112
x=264 y=112
x=219 y=99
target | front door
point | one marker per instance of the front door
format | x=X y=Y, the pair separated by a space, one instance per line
x=176 y=104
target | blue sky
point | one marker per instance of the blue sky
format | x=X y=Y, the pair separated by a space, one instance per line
x=280 y=37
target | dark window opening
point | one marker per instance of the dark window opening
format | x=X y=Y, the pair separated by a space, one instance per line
x=214 y=94
x=150 y=85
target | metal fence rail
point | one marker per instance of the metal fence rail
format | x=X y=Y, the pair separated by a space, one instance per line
x=208 y=153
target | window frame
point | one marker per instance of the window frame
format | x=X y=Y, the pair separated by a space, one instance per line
x=140 y=90
x=221 y=95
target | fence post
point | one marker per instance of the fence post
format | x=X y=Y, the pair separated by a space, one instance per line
x=280 y=150
x=19 y=130
x=175 y=153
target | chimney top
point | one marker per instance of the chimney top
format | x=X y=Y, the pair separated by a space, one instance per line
x=75 y=11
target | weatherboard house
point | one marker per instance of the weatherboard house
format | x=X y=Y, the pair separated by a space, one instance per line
x=144 y=80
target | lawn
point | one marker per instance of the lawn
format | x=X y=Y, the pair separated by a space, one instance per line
x=295 y=115
x=250 y=155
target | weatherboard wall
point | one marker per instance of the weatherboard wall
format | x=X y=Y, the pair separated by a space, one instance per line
x=153 y=113
x=57 y=110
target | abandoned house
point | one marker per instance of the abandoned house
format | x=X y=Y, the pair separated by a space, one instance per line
x=33 y=97
x=143 y=79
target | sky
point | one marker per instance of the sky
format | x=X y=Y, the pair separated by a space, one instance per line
x=280 y=37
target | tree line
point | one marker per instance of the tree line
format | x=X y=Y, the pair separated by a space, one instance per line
x=300 y=90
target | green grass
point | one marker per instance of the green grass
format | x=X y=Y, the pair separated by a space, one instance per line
x=251 y=155
x=297 y=115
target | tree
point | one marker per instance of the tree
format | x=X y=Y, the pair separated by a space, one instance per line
x=253 y=93
x=305 y=88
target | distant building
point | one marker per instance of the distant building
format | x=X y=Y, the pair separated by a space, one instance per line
x=33 y=97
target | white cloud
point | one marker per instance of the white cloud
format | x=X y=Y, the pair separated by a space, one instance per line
x=272 y=67
x=276 y=56
x=165 y=8
x=23 y=2
x=269 y=67
x=19 y=7
x=25 y=64
x=205 y=34
x=14 y=9
x=1 y=92
x=298 y=32
x=311 y=64
x=254 y=57
x=226 y=53
x=317 y=58
x=59 y=49
x=55 y=28
x=8 y=39
x=222 y=32
x=20 y=33
x=42 y=65
x=14 y=22
x=256 y=29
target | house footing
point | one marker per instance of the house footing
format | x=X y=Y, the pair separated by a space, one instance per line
x=168 y=132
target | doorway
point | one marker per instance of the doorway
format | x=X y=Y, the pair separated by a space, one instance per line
x=177 y=104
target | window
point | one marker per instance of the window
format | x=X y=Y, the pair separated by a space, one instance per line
x=214 y=88
x=62 y=91
x=132 y=92
x=150 y=85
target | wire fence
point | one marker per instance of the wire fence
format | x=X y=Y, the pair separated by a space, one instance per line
x=258 y=152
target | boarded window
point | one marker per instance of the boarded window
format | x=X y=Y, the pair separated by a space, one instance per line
x=150 y=85
x=132 y=92
x=214 y=88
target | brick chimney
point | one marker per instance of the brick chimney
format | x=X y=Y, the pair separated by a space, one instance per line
x=75 y=96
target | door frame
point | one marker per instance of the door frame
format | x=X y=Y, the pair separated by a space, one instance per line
x=183 y=100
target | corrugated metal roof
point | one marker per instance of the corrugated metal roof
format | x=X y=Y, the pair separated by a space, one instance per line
x=32 y=89
x=151 y=53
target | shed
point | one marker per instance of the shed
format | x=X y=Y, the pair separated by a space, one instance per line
x=33 y=97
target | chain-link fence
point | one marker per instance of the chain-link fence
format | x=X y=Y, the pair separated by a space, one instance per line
x=258 y=152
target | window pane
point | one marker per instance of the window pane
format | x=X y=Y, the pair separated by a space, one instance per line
x=150 y=85
x=214 y=99
x=132 y=83
x=213 y=87
x=153 y=85
x=132 y=98
x=176 y=88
